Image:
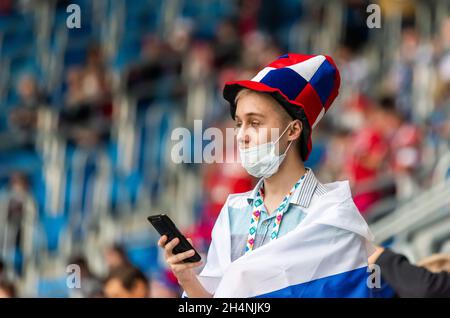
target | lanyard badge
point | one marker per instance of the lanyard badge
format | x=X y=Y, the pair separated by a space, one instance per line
x=258 y=204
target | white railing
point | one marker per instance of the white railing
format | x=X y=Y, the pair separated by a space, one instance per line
x=431 y=204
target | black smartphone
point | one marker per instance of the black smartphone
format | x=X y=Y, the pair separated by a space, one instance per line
x=165 y=226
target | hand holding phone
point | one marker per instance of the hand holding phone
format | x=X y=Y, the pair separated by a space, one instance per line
x=165 y=226
x=180 y=255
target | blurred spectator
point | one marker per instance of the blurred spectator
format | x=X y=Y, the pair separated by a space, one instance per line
x=19 y=209
x=278 y=17
x=405 y=149
x=248 y=16
x=91 y=286
x=30 y=94
x=85 y=118
x=336 y=153
x=354 y=68
x=74 y=94
x=126 y=282
x=409 y=280
x=157 y=73
x=367 y=159
x=227 y=45
x=7 y=289
x=198 y=72
x=259 y=49
x=23 y=117
x=88 y=83
x=115 y=257
x=436 y=263
x=96 y=85
x=413 y=57
x=165 y=286
x=356 y=32
x=181 y=36
x=2 y=269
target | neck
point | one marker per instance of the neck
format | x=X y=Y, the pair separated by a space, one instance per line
x=291 y=169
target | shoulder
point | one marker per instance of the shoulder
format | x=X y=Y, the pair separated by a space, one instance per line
x=336 y=208
x=335 y=194
x=235 y=205
x=238 y=200
x=338 y=190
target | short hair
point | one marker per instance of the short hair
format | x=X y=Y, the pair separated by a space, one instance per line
x=81 y=261
x=119 y=249
x=128 y=276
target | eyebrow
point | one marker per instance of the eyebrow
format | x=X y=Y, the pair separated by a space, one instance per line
x=251 y=115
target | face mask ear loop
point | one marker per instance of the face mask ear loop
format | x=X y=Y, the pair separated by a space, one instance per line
x=287 y=127
x=289 y=146
x=278 y=139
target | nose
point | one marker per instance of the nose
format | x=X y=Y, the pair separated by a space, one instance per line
x=242 y=136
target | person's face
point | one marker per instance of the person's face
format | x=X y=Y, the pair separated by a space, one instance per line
x=114 y=289
x=258 y=121
x=113 y=258
x=385 y=122
x=27 y=87
x=4 y=293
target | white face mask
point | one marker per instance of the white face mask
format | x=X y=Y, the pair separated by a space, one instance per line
x=261 y=160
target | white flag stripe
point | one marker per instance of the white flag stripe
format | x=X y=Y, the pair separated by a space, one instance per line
x=332 y=239
x=257 y=276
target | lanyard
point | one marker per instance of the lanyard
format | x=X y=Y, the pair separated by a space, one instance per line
x=257 y=206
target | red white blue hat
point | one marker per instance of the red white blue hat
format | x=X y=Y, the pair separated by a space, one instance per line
x=305 y=85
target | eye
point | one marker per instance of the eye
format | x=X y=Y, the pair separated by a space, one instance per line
x=237 y=124
x=255 y=123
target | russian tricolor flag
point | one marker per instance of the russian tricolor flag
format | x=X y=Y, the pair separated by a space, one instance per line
x=324 y=256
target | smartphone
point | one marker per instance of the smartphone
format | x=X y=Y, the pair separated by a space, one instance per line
x=165 y=226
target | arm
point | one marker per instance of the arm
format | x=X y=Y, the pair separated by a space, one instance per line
x=184 y=272
x=204 y=284
x=409 y=280
x=194 y=289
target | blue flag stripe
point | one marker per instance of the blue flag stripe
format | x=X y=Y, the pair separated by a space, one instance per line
x=351 y=284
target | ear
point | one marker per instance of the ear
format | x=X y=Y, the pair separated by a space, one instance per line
x=295 y=130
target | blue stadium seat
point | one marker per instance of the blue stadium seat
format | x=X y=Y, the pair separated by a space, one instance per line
x=206 y=15
x=54 y=226
x=19 y=160
x=55 y=287
x=144 y=257
x=17 y=42
x=75 y=56
x=25 y=63
x=15 y=20
x=142 y=251
x=79 y=177
x=128 y=52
